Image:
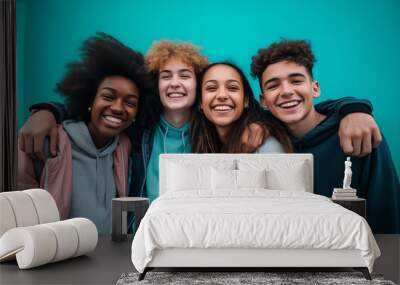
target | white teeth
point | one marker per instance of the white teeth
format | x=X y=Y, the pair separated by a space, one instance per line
x=113 y=119
x=289 y=104
x=222 y=108
x=175 y=95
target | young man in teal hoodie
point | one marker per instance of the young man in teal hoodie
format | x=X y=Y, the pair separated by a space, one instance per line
x=284 y=71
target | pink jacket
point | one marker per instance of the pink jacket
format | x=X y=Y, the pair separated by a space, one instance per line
x=56 y=176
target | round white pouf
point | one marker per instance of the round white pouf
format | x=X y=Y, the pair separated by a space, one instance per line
x=23 y=208
x=7 y=218
x=87 y=234
x=67 y=240
x=33 y=246
x=40 y=244
x=45 y=205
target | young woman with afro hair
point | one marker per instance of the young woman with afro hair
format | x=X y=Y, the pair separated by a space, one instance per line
x=104 y=93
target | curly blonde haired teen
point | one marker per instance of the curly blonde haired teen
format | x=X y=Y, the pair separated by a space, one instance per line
x=162 y=51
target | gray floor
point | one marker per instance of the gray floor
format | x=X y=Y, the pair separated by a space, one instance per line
x=103 y=266
x=106 y=264
x=389 y=262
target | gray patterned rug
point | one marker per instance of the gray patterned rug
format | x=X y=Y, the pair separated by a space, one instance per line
x=243 y=278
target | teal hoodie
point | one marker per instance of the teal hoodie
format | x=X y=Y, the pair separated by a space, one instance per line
x=167 y=139
x=374 y=176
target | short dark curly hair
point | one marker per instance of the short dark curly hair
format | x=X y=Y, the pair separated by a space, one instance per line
x=285 y=50
x=101 y=56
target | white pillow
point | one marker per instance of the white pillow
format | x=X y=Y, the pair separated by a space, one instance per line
x=223 y=179
x=281 y=174
x=185 y=174
x=181 y=177
x=251 y=178
x=293 y=180
x=227 y=179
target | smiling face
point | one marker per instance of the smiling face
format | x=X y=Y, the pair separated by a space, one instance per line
x=222 y=96
x=113 y=109
x=288 y=92
x=177 y=85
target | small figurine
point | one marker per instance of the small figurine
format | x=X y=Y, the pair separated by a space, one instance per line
x=347 y=174
x=346 y=192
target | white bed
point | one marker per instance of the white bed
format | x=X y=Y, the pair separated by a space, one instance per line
x=258 y=210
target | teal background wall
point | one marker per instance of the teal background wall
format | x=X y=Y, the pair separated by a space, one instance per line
x=357 y=43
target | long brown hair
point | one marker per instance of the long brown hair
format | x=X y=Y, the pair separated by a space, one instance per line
x=203 y=134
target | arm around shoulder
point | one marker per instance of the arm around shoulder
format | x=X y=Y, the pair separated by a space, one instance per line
x=57 y=109
x=344 y=106
x=358 y=131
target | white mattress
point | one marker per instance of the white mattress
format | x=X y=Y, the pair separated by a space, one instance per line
x=252 y=218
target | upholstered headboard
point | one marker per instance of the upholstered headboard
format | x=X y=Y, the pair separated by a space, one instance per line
x=285 y=171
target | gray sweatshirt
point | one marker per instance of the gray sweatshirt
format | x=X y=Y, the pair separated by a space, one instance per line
x=93 y=185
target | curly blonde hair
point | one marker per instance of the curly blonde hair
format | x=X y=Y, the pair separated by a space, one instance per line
x=161 y=51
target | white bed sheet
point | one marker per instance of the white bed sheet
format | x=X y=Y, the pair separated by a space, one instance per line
x=251 y=218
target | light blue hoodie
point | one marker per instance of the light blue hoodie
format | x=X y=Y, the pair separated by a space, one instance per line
x=167 y=139
x=93 y=185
